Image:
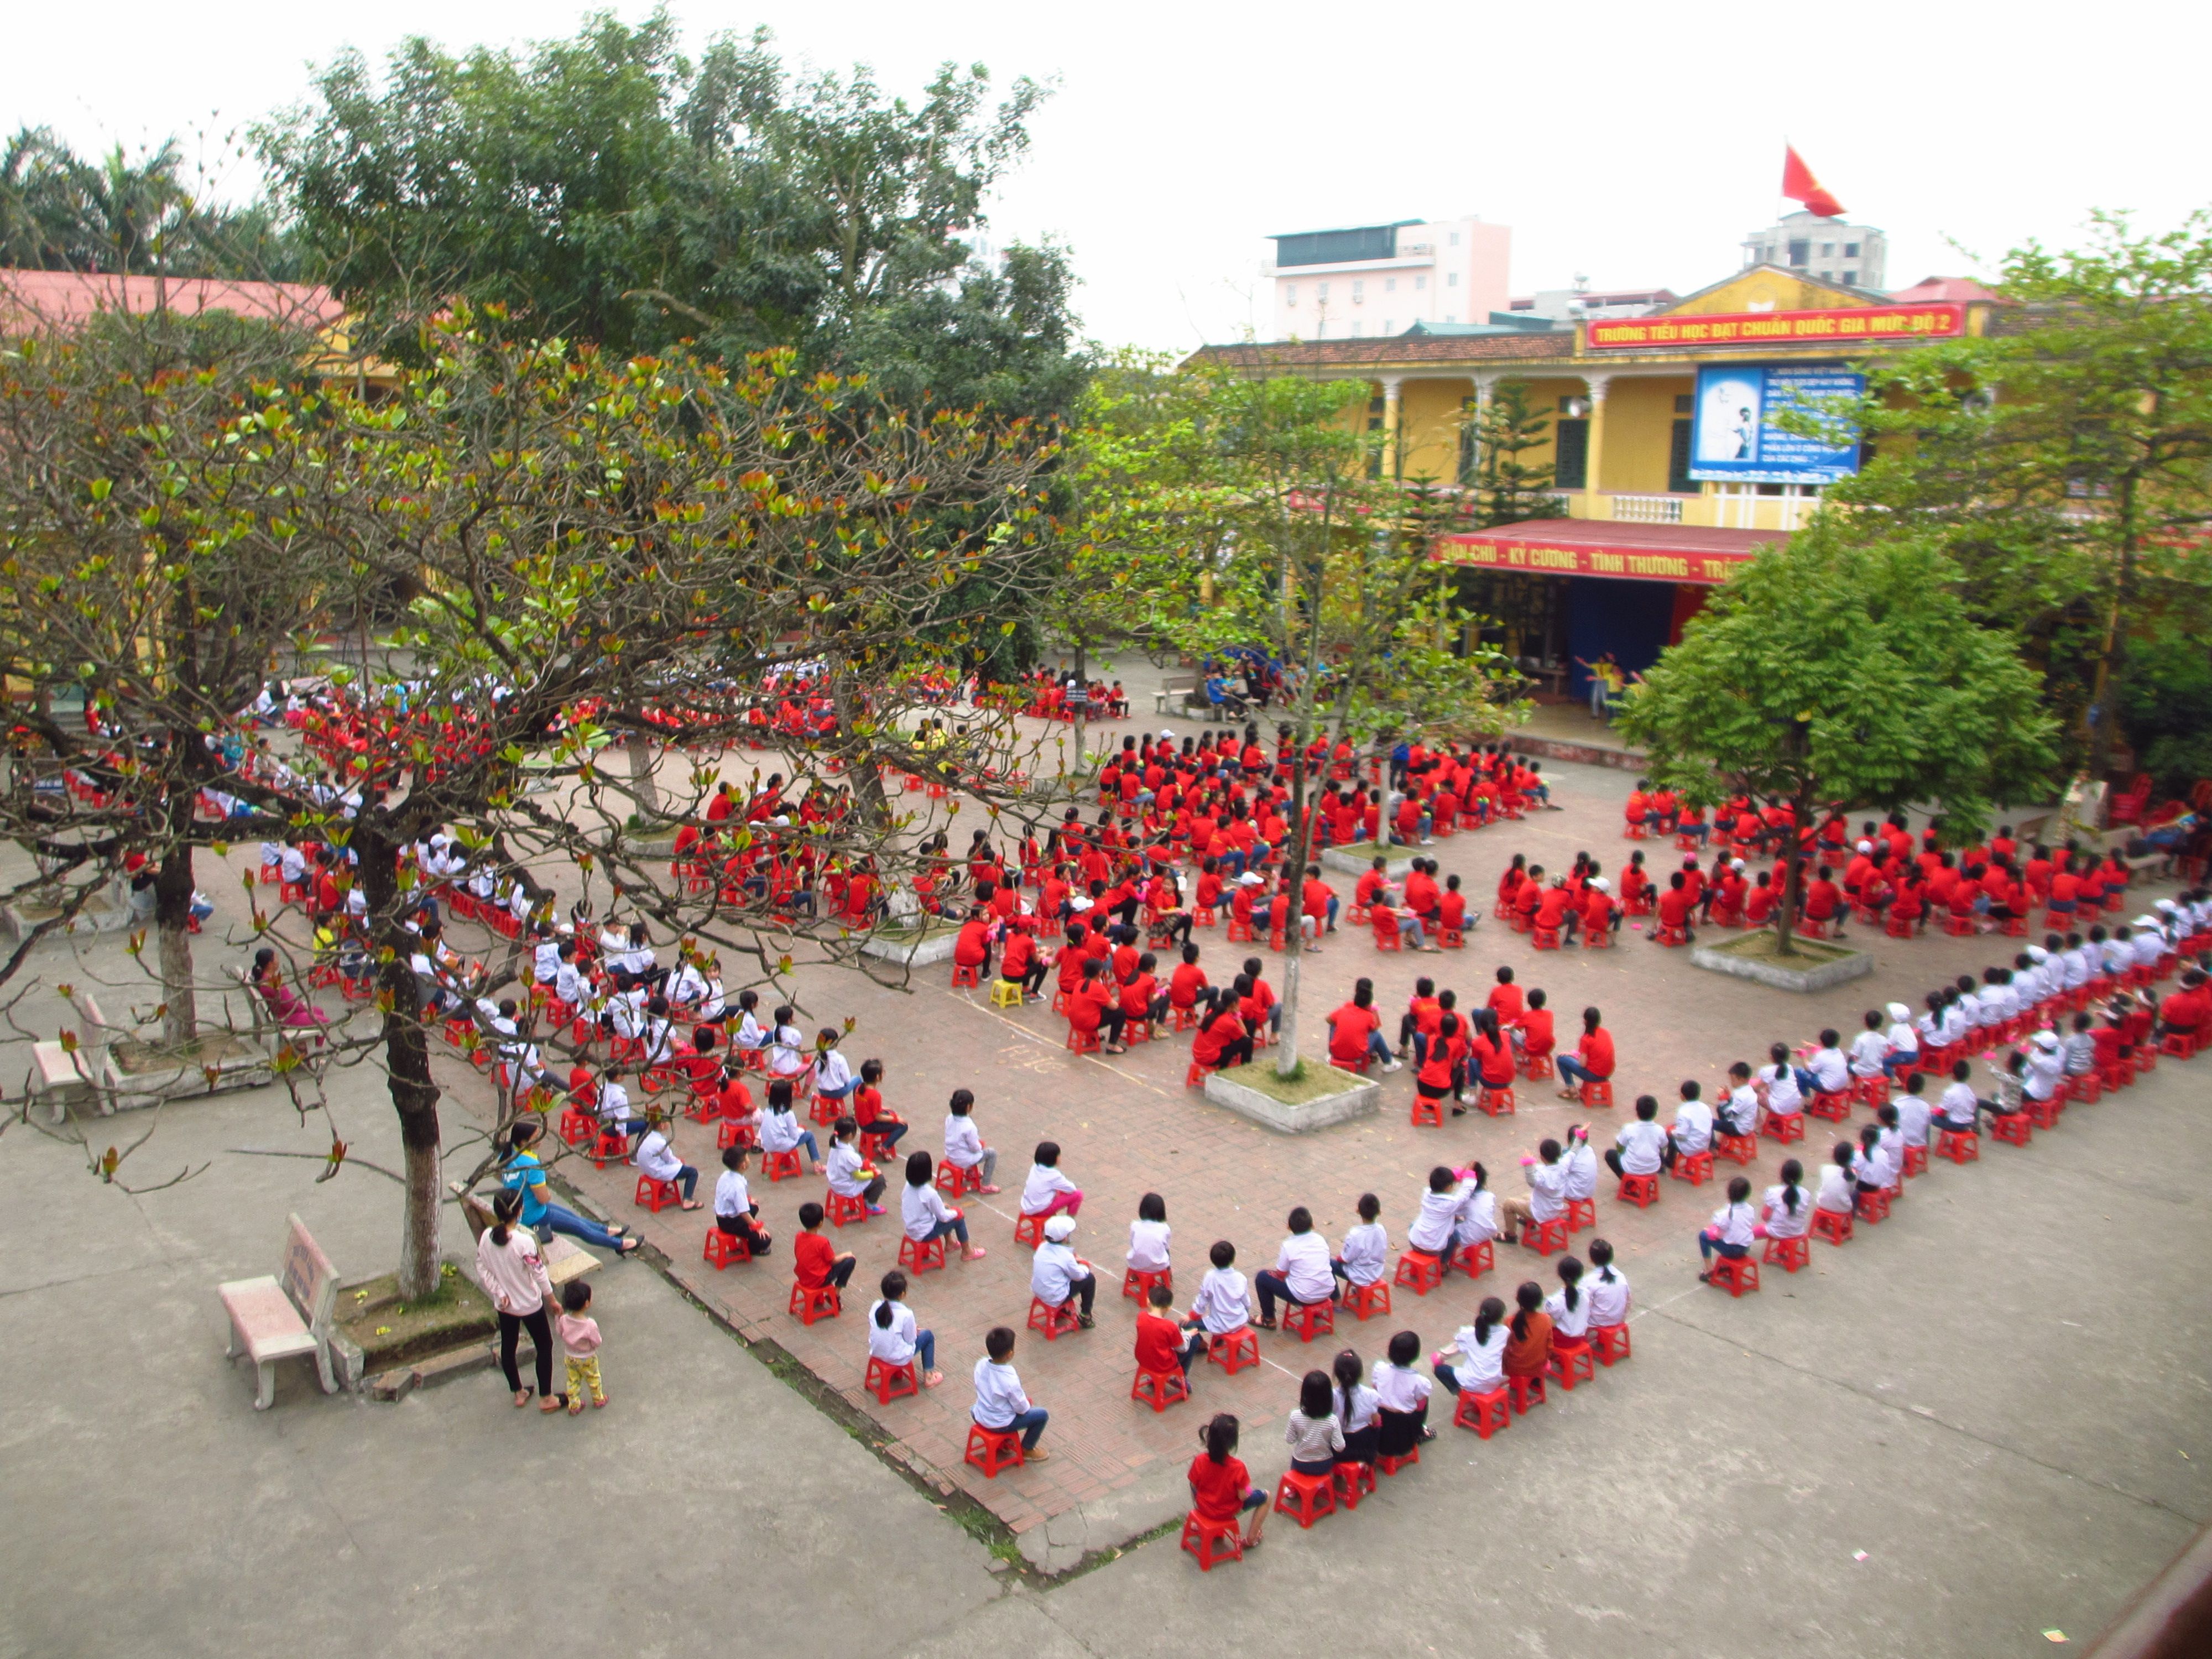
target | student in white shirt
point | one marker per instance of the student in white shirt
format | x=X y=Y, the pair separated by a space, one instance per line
x=1959 y=1110
x=1570 y=1305
x=1358 y=1408
x=1782 y=1085
x=1580 y=1164
x=1607 y=1288
x=1223 y=1303
x=1870 y=1049
x=1148 y=1235
x=736 y=1211
x=1838 y=1193
x=1478 y=1210
x=656 y=1157
x=786 y=1050
x=1047 y=1191
x=1929 y=1028
x=1913 y=1114
x=2046 y=1066
x=1001 y=1405
x=833 y=1077
x=1902 y=1038
x=1642 y=1147
x=1056 y=1273
x=1787 y=1212
x=1365 y=1254
x=1435 y=1224
x=1729 y=1234
x=1693 y=1124
x=894 y=1335
x=1738 y=1115
x=1301 y=1273
x=545 y=957
x=1314 y=1433
x=1872 y=1171
x=1891 y=1141
x=751 y=1033
x=1403 y=1395
x=849 y=1174
x=1831 y=1069
x=963 y=1145
x=779 y=1131
x=1475 y=1363
x=922 y=1211
x=1547 y=1192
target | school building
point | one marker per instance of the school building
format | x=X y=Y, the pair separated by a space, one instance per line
x=1663 y=442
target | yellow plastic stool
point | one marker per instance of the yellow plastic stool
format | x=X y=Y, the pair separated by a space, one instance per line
x=1005 y=993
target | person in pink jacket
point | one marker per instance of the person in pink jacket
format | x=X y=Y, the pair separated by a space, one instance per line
x=513 y=1276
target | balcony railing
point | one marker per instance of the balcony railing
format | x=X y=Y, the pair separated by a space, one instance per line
x=1648 y=509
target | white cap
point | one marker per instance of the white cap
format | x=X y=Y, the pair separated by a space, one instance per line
x=2167 y=905
x=1251 y=878
x=1866 y=847
x=1898 y=1010
x=1602 y=885
x=1735 y=864
x=1060 y=1229
x=2046 y=1039
x=2036 y=953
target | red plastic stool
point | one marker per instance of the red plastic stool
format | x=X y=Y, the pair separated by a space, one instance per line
x=1428 y=1111
x=811 y=1305
x=1545 y=1236
x=952 y=1180
x=1581 y=1212
x=1597 y=939
x=1598 y=1092
x=1477 y=1259
x=1054 y=1322
x=1871 y=1092
x=1390 y=1465
x=781 y=1166
x=1832 y=1225
x=1872 y=1208
x=609 y=1148
x=1305 y=1498
x=1361 y=1300
x=888 y=1381
x=1196 y=1077
x=1212 y=1541
x=1310 y=1320
x=919 y=1255
x=1161 y=1388
x=1030 y=1229
x=1788 y=1253
x=993 y=1449
x=1915 y=1160
x=1611 y=1342
x=1498 y=1103
x=963 y=977
x=1641 y=1190
x=1737 y=1149
x=1784 y=1127
x=1419 y=1272
x=1233 y=1350
x=1572 y=1363
x=1834 y=1105
x=2013 y=1128
x=842 y=1209
x=576 y=1127
x=723 y=1249
x=1537 y=1068
x=1485 y=1414
x=1960 y=1146
x=1527 y=1391
x=1082 y=1042
x=1696 y=1168
x=1354 y=1480
x=657 y=1195
x=1138 y=1283
x=1735 y=1274
x=735 y=1131
x=1545 y=939
x=2044 y=1114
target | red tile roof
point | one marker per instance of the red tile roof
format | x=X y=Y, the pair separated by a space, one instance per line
x=1961 y=290
x=62 y=299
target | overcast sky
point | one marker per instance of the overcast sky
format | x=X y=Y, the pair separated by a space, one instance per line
x=1631 y=144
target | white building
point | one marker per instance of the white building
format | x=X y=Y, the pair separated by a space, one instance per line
x=1378 y=280
x=1833 y=250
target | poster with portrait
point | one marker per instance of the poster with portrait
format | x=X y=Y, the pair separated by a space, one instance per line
x=1737 y=439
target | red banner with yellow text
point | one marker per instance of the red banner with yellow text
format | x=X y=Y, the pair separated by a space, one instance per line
x=1547 y=557
x=1845 y=326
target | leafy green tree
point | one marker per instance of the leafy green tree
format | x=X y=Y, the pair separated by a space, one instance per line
x=2064 y=461
x=1507 y=490
x=1835 y=672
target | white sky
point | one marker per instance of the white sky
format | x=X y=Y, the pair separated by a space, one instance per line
x=1630 y=144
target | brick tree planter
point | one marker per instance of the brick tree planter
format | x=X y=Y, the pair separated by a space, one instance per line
x=1819 y=965
x=1320 y=1098
x=914 y=950
x=1359 y=858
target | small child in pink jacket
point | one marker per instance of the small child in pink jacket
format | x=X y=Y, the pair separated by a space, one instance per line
x=580 y=1337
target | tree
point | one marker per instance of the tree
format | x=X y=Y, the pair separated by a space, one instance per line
x=1840 y=671
x=2064 y=460
x=1507 y=489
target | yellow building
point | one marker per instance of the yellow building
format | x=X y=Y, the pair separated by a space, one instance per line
x=1662 y=441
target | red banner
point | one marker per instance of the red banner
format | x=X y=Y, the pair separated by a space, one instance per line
x=1548 y=558
x=1849 y=325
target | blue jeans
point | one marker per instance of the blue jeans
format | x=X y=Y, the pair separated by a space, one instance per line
x=1410 y=926
x=924 y=1349
x=806 y=1140
x=1379 y=1050
x=1030 y=1425
x=838 y=1094
x=955 y=1228
x=568 y=1221
x=1806 y=1086
x=1571 y=1069
x=1707 y=1244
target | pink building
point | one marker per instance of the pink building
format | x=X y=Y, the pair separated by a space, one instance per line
x=1375 y=280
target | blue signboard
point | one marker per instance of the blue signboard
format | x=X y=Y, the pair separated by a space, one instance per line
x=1735 y=439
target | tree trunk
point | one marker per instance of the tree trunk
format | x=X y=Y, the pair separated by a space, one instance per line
x=642 y=782
x=1793 y=876
x=1295 y=854
x=172 y=902
x=407 y=1065
x=2112 y=661
x=858 y=753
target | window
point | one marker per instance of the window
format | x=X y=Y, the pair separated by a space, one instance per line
x=1455 y=239
x=1828 y=249
x=1358 y=291
x=1678 y=482
x=1686 y=402
x=1800 y=252
x=1851 y=279
x=1358 y=329
x=1320 y=292
x=1451 y=316
x=1574 y=408
x=1291 y=293
x=1828 y=276
x=1452 y=279
x=1851 y=249
x=1389 y=284
x=1571 y=455
x=1419 y=283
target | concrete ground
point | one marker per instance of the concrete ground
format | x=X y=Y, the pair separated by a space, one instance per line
x=2001 y=1398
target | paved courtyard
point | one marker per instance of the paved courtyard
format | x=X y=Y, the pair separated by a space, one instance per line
x=1982 y=1419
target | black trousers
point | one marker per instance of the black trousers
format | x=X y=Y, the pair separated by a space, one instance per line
x=511 y=1327
x=742 y=1226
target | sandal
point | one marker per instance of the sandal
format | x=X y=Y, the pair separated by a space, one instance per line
x=522 y=1397
x=601 y=1402
x=552 y=1402
x=627 y=1246
x=696 y=1204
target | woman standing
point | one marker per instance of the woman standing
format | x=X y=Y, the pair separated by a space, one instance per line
x=514 y=1275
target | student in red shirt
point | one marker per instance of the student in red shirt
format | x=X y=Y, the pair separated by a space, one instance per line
x=1187 y=985
x=1263 y=995
x=1317 y=905
x=1823 y=898
x=973 y=948
x=1094 y=1008
x=1221 y=1487
x=1022 y=964
x=1759 y=903
x=1355 y=1030
x=2185 y=1012
x=1532 y=1033
x=1674 y=910
x=1222 y=1041
x=1598 y=914
x=1161 y=1343
x=815 y=1261
x=1452 y=907
x=1592 y=1060
x=1505 y=1000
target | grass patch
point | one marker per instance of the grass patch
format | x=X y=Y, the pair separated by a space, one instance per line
x=133 y=1057
x=1311 y=1081
x=1765 y=945
x=391 y=1332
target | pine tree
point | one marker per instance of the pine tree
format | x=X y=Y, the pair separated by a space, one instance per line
x=1507 y=489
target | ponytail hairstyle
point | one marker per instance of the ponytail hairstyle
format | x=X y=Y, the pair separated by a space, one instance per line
x=963 y=1099
x=1316 y=1398
x=893 y=1286
x=1779 y=1054
x=1220 y=1436
x=1570 y=1271
x=1591 y=1019
x=1600 y=1255
x=1739 y=1191
x=1349 y=1373
x=1487 y=1318
x=1793 y=1173
x=1530 y=1296
x=504 y=1209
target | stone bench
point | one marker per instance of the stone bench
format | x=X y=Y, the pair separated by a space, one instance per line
x=284 y=1317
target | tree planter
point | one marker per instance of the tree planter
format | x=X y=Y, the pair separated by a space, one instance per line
x=916 y=948
x=1359 y=858
x=1818 y=965
x=1322 y=1097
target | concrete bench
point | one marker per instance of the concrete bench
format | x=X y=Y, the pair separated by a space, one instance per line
x=285 y=1317
x=1175 y=693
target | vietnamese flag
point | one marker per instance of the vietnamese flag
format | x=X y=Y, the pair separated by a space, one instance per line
x=1798 y=185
